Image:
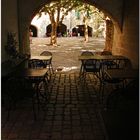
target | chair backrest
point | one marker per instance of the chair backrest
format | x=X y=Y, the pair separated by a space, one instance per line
x=92 y=66
x=106 y=53
x=128 y=64
x=87 y=53
x=108 y=64
x=124 y=64
x=35 y=63
x=46 y=53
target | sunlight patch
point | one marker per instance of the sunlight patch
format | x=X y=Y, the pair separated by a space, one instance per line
x=76 y=47
x=66 y=69
x=88 y=50
x=42 y=45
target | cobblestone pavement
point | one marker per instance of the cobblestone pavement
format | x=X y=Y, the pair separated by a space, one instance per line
x=72 y=113
x=65 y=55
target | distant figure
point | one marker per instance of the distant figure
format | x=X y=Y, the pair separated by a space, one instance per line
x=69 y=33
x=31 y=35
x=59 y=34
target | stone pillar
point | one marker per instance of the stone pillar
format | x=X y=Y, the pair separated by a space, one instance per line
x=24 y=39
x=109 y=35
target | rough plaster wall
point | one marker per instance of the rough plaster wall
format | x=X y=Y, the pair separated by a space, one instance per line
x=109 y=35
x=9 y=23
x=112 y=8
x=127 y=42
x=28 y=9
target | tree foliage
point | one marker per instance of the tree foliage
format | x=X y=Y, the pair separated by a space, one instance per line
x=57 y=10
x=87 y=12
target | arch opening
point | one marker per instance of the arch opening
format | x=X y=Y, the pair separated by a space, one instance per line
x=34 y=30
x=77 y=29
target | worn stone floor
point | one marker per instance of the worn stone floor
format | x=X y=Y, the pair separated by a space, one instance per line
x=71 y=113
x=65 y=55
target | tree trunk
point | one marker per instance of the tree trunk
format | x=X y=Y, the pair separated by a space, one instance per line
x=86 y=33
x=53 y=40
x=86 y=29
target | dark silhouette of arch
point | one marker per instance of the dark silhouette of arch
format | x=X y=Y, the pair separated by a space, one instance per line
x=61 y=30
x=34 y=30
x=80 y=29
x=74 y=31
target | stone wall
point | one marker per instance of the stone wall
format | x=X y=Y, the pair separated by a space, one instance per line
x=112 y=8
x=125 y=19
x=109 y=35
x=126 y=42
x=9 y=23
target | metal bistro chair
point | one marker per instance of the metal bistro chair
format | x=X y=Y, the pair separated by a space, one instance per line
x=85 y=53
x=36 y=64
x=118 y=97
x=117 y=82
x=105 y=80
x=17 y=90
x=41 y=83
x=48 y=63
x=90 y=66
x=109 y=63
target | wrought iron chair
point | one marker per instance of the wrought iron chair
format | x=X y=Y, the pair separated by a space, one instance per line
x=117 y=98
x=48 y=63
x=109 y=63
x=41 y=83
x=90 y=66
x=36 y=64
x=17 y=90
x=85 y=53
x=117 y=82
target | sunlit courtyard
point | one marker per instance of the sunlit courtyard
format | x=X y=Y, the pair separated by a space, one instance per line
x=65 y=55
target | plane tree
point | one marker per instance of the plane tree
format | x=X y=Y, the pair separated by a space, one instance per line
x=57 y=11
x=87 y=12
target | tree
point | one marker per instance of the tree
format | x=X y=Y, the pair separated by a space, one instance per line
x=87 y=12
x=57 y=10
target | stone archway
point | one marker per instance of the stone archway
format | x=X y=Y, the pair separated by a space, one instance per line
x=81 y=30
x=34 y=30
x=61 y=30
x=110 y=9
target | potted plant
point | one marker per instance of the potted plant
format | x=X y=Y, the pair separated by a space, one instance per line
x=11 y=46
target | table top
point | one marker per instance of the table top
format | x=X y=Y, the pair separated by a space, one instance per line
x=122 y=73
x=41 y=57
x=32 y=72
x=102 y=57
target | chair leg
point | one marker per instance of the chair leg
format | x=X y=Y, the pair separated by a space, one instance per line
x=44 y=88
x=101 y=92
x=33 y=106
x=37 y=95
x=52 y=69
